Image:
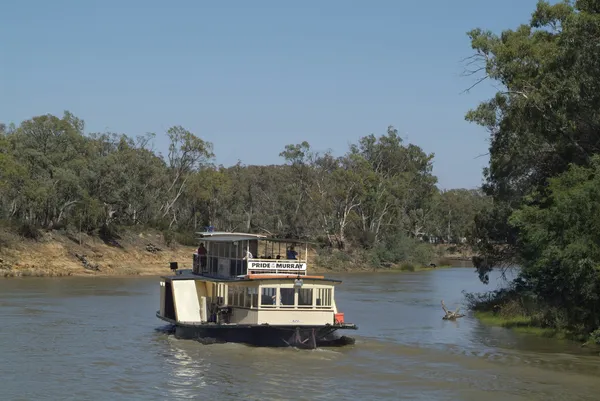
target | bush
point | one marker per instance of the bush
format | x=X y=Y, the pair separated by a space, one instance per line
x=109 y=233
x=335 y=259
x=168 y=237
x=186 y=238
x=401 y=248
x=407 y=267
x=513 y=303
x=452 y=249
x=30 y=231
x=594 y=337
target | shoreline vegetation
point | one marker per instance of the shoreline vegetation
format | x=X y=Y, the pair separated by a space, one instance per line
x=544 y=171
x=144 y=253
x=71 y=198
x=522 y=312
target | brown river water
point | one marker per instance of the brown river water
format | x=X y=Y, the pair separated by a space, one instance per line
x=98 y=339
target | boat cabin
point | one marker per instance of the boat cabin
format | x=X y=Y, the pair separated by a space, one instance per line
x=227 y=255
x=249 y=279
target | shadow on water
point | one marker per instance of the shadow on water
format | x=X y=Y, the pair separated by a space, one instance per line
x=99 y=339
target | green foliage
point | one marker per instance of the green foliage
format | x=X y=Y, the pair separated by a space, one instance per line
x=543 y=170
x=560 y=237
x=168 y=237
x=401 y=248
x=336 y=260
x=186 y=238
x=375 y=203
x=407 y=267
x=29 y=231
x=594 y=337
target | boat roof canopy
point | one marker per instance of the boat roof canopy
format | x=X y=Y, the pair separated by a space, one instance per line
x=223 y=236
x=291 y=240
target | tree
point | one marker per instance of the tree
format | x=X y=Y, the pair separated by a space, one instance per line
x=301 y=159
x=187 y=153
x=378 y=199
x=560 y=243
x=397 y=182
x=543 y=118
x=50 y=149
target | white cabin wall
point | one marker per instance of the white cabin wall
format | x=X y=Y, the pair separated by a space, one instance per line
x=244 y=316
x=187 y=304
x=295 y=317
x=209 y=289
x=162 y=298
x=203 y=310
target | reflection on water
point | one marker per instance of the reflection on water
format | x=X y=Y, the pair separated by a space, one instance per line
x=98 y=339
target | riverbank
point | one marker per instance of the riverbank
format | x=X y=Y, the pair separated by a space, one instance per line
x=61 y=253
x=522 y=324
x=514 y=311
x=57 y=254
x=526 y=325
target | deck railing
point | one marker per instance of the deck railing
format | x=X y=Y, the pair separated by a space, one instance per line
x=209 y=265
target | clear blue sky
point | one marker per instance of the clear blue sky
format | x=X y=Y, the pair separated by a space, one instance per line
x=253 y=76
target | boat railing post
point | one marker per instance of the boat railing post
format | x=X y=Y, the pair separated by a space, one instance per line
x=296 y=296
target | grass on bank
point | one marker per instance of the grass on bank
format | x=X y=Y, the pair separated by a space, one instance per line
x=521 y=324
x=523 y=314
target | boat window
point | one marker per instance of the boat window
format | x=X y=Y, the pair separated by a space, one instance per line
x=246 y=297
x=235 y=296
x=237 y=267
x=323 y=297
x=251 y=298
x=267 y=296
x=305 y=297
x=287 y=296
x=230 y=293
x=232 y=249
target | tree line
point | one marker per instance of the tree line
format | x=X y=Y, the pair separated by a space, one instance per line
x=54 y=175
x=544 y=166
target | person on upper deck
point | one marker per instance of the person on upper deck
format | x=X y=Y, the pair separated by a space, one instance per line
x=202 y=254
x=291 y=253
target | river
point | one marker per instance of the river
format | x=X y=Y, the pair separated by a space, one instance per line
x=98 y=339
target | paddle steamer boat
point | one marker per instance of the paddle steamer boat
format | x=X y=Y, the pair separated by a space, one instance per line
x=232 y=294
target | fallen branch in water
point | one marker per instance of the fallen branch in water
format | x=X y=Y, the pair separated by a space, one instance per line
x=451 y=315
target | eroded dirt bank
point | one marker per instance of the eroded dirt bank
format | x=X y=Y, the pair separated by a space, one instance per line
x=64 y=254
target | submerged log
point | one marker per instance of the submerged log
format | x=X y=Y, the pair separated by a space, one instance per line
x=451 y=315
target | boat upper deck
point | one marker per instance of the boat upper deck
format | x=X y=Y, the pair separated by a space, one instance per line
x=231 y=255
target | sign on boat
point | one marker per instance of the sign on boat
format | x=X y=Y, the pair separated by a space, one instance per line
x=252 y=289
